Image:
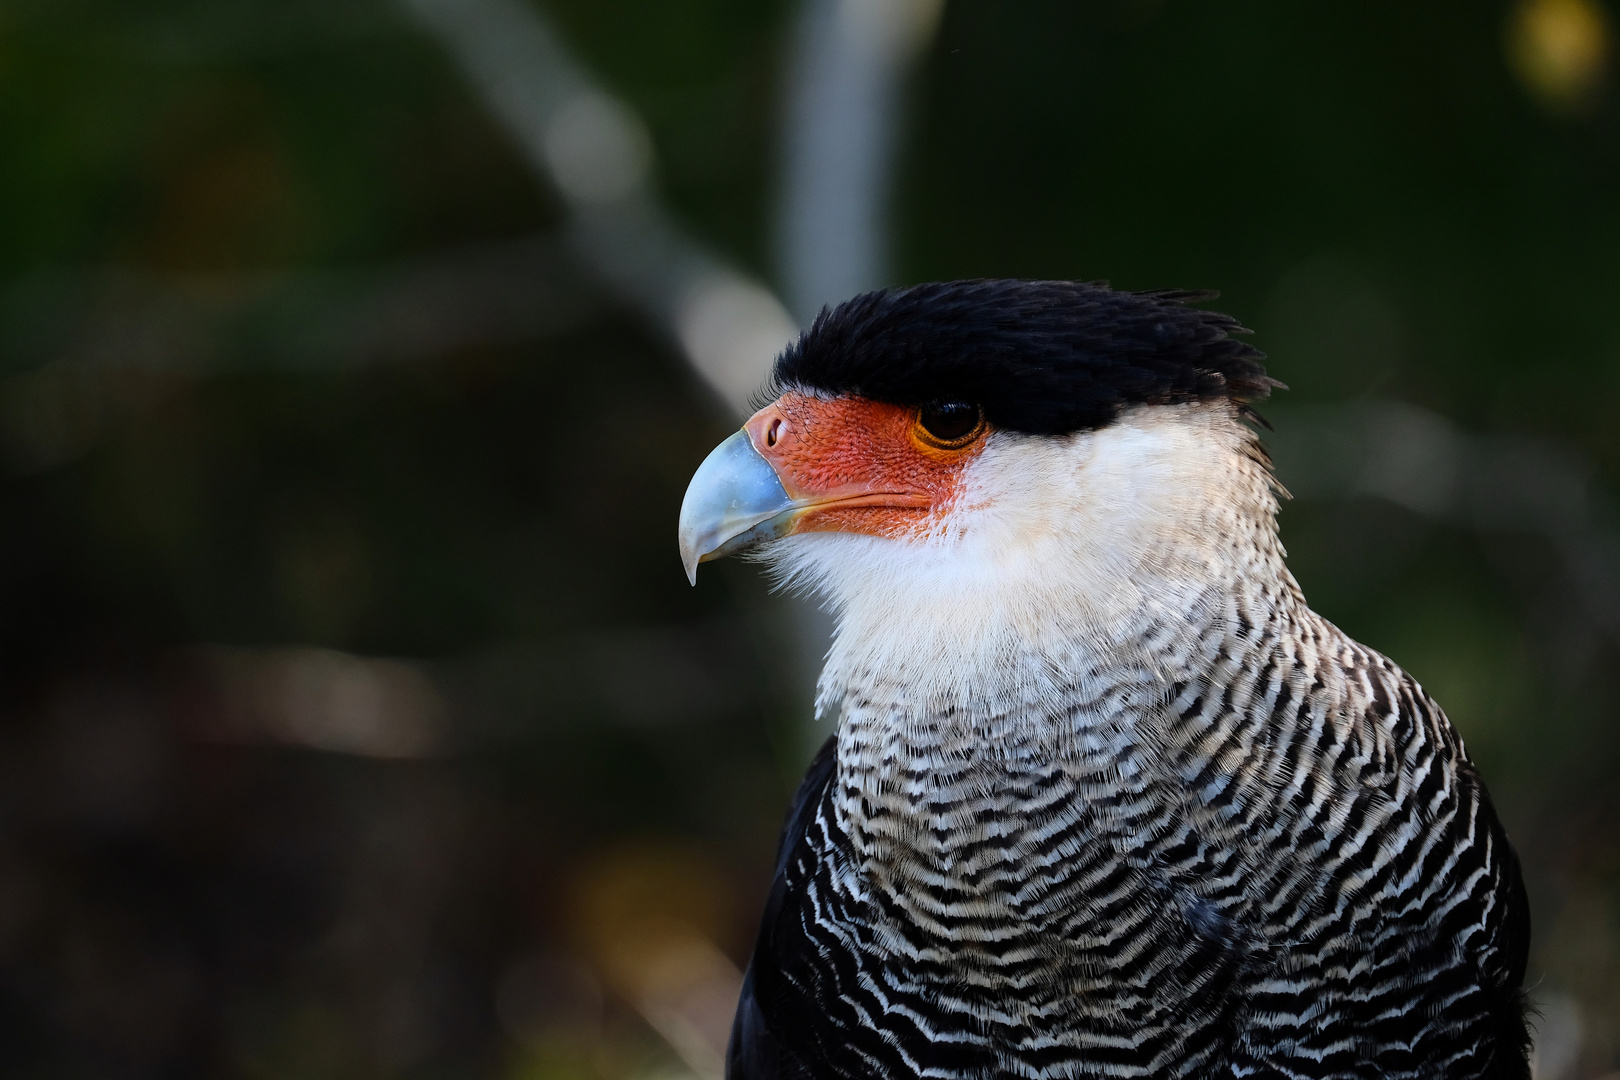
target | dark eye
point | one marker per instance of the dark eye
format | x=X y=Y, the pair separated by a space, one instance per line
x=950 y=421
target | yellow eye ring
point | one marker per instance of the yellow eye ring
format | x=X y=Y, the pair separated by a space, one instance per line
x=949 y=425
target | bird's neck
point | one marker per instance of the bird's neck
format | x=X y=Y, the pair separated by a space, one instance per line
x=1034 y=681
x=1120 y=578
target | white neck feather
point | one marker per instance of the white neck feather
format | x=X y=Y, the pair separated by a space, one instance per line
x=1054 y=556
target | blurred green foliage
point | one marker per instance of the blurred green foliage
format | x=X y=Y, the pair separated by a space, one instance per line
x=1391 y=195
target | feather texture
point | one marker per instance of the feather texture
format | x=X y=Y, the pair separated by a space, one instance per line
x=1304 y=879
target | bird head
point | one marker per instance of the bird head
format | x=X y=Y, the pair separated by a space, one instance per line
x=977 y=465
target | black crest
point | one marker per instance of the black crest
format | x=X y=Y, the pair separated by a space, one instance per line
x=1043 y=357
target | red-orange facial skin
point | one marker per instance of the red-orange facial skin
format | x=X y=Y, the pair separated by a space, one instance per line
x=867 y=466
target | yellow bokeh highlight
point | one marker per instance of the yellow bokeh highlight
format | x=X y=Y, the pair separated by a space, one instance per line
x=1560 y=50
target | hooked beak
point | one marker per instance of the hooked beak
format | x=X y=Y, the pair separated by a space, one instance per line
x=735 y=500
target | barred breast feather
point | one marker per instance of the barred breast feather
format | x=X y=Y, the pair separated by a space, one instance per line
x=1272 y=859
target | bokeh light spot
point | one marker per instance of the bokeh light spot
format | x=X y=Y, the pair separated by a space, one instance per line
x=1560 y=50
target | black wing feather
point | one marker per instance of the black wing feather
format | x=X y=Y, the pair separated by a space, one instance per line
x=755 y=1053
x=1508 y=999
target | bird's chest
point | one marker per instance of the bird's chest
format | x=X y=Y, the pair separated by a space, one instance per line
x=981 y=863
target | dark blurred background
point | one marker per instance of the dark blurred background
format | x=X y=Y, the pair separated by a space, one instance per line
x=356 y=719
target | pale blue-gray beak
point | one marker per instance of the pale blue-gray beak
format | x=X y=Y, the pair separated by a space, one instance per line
x=735 y=500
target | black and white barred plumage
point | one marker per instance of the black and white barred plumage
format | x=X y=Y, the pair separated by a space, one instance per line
x=1106 y=799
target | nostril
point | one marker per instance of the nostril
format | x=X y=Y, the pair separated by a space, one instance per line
x=773 y=432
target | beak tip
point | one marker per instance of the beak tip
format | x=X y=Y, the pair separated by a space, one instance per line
x=689 y=561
